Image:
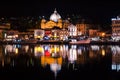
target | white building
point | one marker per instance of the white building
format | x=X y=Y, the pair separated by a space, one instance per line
x=72 y=29
x=116 y=28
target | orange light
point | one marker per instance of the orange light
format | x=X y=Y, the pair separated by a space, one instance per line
x=103 y=34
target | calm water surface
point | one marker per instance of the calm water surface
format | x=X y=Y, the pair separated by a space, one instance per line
x=60 y=62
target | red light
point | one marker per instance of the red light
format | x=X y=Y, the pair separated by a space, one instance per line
x=47 y=53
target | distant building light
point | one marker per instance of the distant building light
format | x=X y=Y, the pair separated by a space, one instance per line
x=118 y=18
x=113 y=19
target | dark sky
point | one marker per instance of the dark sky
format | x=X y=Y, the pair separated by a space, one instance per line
x=97 y=10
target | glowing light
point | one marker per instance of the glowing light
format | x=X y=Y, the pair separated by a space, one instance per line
x=55 y=68
x=103 y=52
x=16 y=35
x=47 y=53
x=16 y=51
x=72 y=55
x=79 y=51
x=116 y=67
x=38 y=49
x=95 y=47
x=113 y=19
x=49 y=60
x=103 y=34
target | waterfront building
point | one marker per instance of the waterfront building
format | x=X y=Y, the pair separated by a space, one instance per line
x=93 y=33
x=26 y=35
x=64 y=34
x=82 y=28
x=66 y=23
x=52 y=26
x=72 y=29
x=116 y=28
x=3 y=28
x=55 y=34
x=11 y=35
x=39 y=34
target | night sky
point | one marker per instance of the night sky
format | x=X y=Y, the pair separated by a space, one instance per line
x=96 y=10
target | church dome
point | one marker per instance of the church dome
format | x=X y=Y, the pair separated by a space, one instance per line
x=55 y=16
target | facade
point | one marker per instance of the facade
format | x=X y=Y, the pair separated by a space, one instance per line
x=116 y=28
x=55 y=34
x=63 y=34
x=25 y=35
x=93 y=33
x=72 y=29
x=82 y=28
x=5 y=26
x=11 y=35
x=66 y=23
x=39 y=34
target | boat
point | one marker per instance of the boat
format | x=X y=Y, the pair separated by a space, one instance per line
x=84 y=41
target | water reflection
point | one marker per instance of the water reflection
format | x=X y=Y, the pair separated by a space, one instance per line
x=115 y=58
x=70 y=57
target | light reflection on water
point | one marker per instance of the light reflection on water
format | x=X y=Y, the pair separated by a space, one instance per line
x=71 y=57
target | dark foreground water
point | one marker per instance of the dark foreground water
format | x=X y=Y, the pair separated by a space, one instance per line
x=59 y=62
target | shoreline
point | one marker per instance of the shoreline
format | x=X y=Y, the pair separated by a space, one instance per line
x=61 y=42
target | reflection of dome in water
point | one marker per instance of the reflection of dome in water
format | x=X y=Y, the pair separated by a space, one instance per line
x=55 y=16
x=55 y=68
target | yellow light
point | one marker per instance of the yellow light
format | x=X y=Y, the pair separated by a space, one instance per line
x=16 y=35
x=16 y=51
x=103 y=52
x=55 y=49
x=55 y=34
x=50 y=60
x=38 y=36
x=38 y=49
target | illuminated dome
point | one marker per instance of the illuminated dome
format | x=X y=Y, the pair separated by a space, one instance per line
x=55 y=16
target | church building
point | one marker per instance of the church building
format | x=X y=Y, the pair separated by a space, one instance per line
x=55 y=21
